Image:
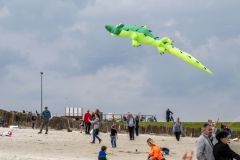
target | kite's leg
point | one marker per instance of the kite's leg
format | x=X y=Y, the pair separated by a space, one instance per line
x=166 y=40
x=135 y=43
x=161 y=50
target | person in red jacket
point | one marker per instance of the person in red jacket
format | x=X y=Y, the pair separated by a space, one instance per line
x=86 y=121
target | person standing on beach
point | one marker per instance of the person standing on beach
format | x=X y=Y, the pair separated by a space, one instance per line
x=96 y=124
x=213 y=125
x=92 y=115
x=214 y=130
x=113 y=136
x=137 y=125
x=34 y=119
x=18 y=119
x=155 y=152
x=81 y=125
x=131 y=125
x=177 y=129
x=87 y=118
x=46 y=115
x=204 y=146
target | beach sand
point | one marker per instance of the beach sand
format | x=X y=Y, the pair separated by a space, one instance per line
x=27 y=144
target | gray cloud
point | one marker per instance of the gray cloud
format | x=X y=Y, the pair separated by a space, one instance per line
x=84 y=66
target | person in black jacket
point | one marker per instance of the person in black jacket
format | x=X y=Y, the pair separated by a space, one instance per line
x=113 y=136
x=221 y=150
x=169 y=115
x=137 y=125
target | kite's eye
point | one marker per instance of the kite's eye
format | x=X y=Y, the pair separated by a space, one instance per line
x=197 y=61
x=120 y=25
x=205 y=68
x=190 y=57
x=180 y=51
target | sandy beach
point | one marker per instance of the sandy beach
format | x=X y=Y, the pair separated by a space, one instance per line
x=27 y=144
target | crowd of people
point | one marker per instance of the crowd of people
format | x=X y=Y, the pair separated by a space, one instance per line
x=92 y=121
x=206 y=149
x=212 y=144
x=29 y=117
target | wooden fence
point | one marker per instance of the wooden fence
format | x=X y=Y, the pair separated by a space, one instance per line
x=151 y=129
x=59 y=123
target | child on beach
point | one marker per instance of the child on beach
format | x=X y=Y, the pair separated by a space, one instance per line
x=102 y=155
x=81 y=125
x=155 y=152
x=113 y=136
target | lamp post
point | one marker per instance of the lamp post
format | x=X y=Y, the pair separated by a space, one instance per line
x=41 y=73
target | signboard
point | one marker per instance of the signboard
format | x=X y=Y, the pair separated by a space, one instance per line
x=73 y=111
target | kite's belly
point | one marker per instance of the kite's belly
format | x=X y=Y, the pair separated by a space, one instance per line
x=146 y=40
x=140 y=37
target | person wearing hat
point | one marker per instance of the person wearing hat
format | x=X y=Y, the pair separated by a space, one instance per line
x=46 y=115
x=155 y=152
x=221 y=150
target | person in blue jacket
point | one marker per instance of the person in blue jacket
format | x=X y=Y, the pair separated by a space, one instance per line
x=46 y=115
x=102 y=155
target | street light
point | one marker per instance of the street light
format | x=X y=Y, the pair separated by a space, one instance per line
x=41 y=93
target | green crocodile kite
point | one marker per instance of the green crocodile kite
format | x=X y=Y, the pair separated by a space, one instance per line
x=142 y=35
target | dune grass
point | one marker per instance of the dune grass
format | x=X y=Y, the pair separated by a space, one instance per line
x=234 y=126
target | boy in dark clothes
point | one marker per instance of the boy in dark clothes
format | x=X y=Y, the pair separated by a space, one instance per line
x=102 y=155
x=113 y=136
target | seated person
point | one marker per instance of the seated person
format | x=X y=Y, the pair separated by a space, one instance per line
x=155 y=152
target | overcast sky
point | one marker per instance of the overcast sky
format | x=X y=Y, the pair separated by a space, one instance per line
x=84 y=66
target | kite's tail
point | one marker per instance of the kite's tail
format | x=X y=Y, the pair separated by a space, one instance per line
x=186 y=57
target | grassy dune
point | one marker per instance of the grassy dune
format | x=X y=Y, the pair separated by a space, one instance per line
x=235 y=126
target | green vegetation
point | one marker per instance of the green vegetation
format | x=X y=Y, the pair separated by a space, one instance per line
x=234 y=126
